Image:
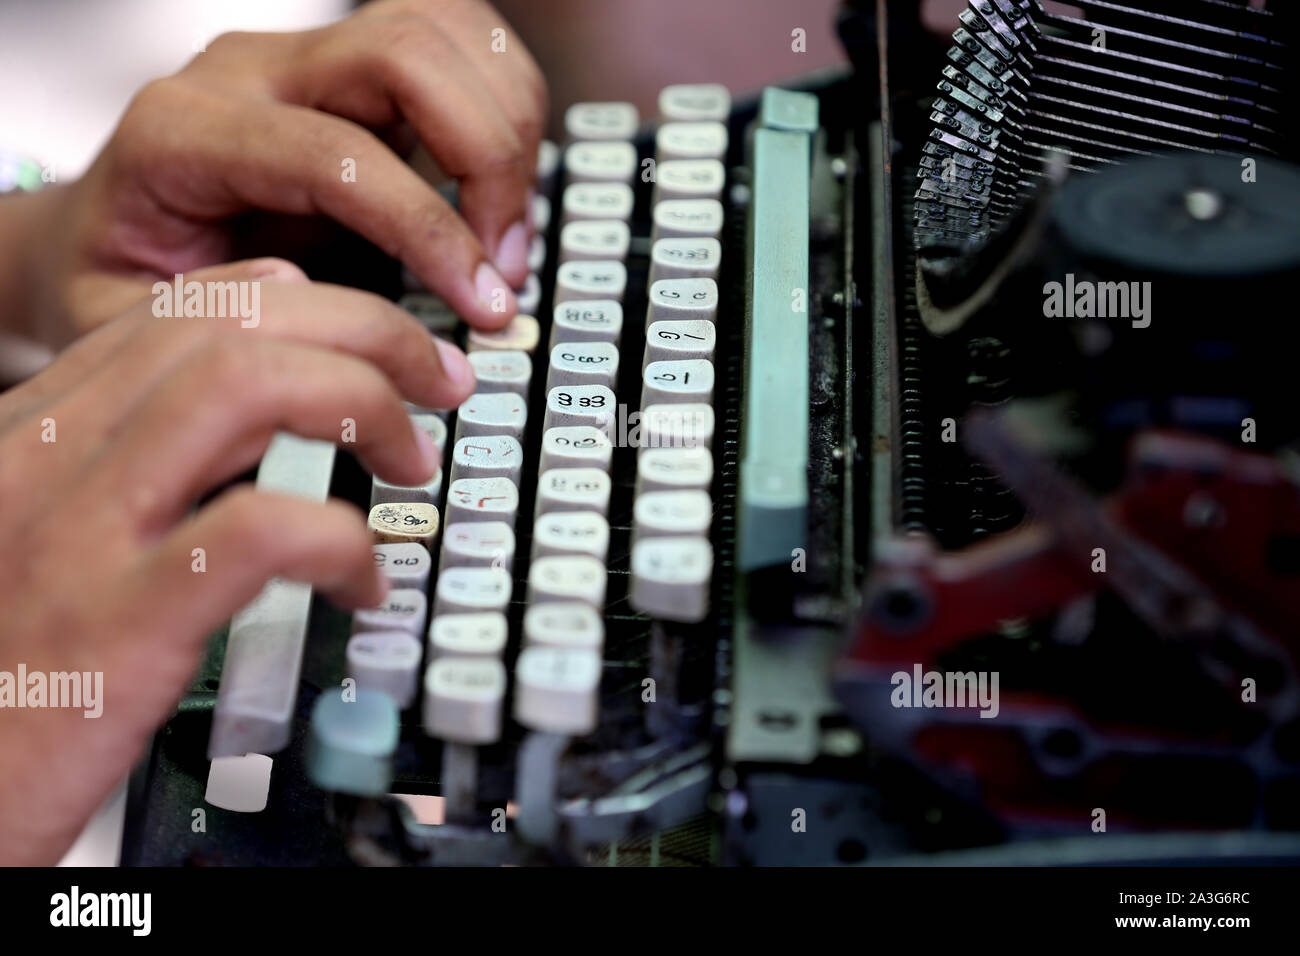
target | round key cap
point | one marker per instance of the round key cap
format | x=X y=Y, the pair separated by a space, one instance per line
x=471 y=590
x=569 y=624
x=501 y=371
x=594 y=239
x=541 y=214
x=672 y=514
x=529 y=295
x=520 y=334
x=482 y=499
x=689 y=179
x=673 y=469
x=600 y=162
x=573 y=489
x=405 y=565
x=682 y=300
x=589 y=320
x=537 y=254
x=351 y=743
x=670 y=577
x=690 y=141
x=557 y=690
x=678 y=341
x=492 y=413
x=694 y=102
x=548 y=161
x=435 y=427
x=679 y=425
x=600 y=121
x=463 y=698
x=468 y=635
x=685 y=259
x=583 y=363
x=488 y=456
x=597 y=201
x=592 y=405
x=663 y=383
x=394 y=523
x=567 y=578
x=590 y=279
x=403 y=609
x=478 y=544
x=577 y=446
x=571 y=532
x=387 y=661
x=687 y=217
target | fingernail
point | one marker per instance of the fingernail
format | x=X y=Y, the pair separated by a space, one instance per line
x=512 y=252
x=459 y=372
x=492 y=290
x=278 y=270
x=428 y=451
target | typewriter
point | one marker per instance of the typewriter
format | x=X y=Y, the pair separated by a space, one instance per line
x=897 y=467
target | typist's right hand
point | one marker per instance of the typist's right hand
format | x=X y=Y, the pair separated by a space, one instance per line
x=102 y=459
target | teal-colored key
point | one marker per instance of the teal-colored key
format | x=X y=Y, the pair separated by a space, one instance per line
x=351 y=745
x=774 y=449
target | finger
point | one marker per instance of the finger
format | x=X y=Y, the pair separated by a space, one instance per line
x=247 y=537
x=405 y=65
x=231 y=397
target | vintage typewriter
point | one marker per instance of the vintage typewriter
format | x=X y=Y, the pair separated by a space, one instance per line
x=964 y=371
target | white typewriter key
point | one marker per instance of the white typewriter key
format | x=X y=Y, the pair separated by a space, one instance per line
x=694 y=102
x=689 y=179
x=670 y=577
x=571 y=532
x=588 y=121
x=685 y=259
x=573 y=489
x=463 y=697
x=541 y=214
x=491 y=413
x=664 y=513
x=478 y=544
x=502 y=372
x=403 y=609
x=530 y=296
x=687 y=217
x=683 y=300
x=482 y=499
x=597 y=201
x=435 y=427
x=405 y=565
x=570 y=624
x=470 y=590
x=673 y=469
x=491 y=456
x=587 y=320
x=590 y=279
x=690 y=141
x=520 y=334
x=557 y=690
x=548 y=160
x=381 y=492
x=675 y=341
x=567 y=577
x=592 y=405
x=607 y=162
x=690 y=380
x=387 y=661
x=583 y=363
x=537 y=254
x=468 y=635
x=679 y=425
x=409 y=522
x=577 y=446
x=594 y=239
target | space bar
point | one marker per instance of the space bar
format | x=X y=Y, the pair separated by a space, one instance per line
x=259 y=677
